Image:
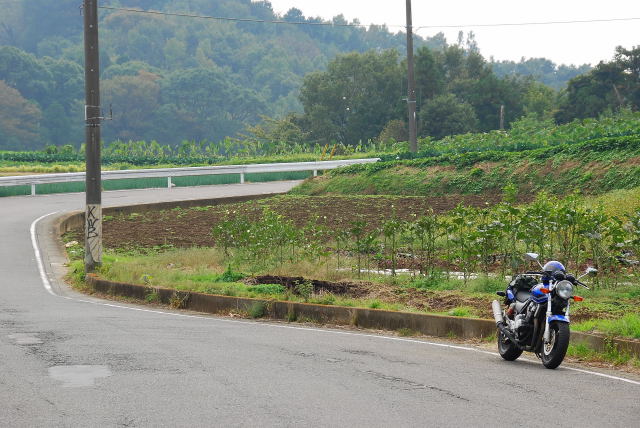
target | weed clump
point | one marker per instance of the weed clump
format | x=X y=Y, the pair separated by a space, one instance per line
x=304 y=289
x=257 y=310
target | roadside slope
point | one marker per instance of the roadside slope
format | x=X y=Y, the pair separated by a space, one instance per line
x=591 y=167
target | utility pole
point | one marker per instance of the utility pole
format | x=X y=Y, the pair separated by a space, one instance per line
x=411 y=96
x=93 y=212
x=502 y=117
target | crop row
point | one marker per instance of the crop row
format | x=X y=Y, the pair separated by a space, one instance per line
x=526 y=134
x=466 y=239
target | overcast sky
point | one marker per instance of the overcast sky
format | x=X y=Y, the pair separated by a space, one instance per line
x=568 y=44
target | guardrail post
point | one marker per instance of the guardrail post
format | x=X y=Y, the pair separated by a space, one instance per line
x=242 y=178
x=169 y=183
x=315 y=172
x=33 y=190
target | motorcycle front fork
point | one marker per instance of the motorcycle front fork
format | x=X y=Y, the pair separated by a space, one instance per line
x=547 y=333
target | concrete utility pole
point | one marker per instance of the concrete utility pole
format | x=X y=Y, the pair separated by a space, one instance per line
x=93 y=212
x=411 y=96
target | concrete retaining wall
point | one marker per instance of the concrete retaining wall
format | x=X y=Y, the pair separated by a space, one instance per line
x=431 y=325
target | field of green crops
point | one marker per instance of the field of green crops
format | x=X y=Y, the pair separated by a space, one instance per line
x=530 y=155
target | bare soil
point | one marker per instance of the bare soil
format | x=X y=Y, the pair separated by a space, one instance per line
x=184 y=228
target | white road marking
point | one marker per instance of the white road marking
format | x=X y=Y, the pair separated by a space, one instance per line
x=36 y=250
x=47 y=286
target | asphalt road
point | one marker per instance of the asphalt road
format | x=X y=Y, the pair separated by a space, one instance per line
x=70 y=360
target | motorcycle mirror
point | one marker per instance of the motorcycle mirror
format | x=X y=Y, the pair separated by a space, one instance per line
x=532 y=257
x=591 y=271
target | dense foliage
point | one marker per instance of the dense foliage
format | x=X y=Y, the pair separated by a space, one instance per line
x=171 y=78
x=361 y=94
x=542 y=69
x=168 y=78
x=458 y=92
x=526 y=134
x=142 y=153
x=609 y=86
x=466 y=239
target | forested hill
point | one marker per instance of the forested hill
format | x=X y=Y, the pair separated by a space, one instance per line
x=168 y=78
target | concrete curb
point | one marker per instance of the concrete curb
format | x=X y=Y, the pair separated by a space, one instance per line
x=427 y=324
x=431 y=325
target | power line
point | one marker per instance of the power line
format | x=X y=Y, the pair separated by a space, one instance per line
x=221 y=18
x=523 y=24
x=331 y=24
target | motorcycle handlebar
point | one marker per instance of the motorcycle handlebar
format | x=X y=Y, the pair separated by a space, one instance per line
x=583 y=284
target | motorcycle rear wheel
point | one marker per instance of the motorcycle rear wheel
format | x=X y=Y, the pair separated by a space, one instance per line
x=507 y=349
x=553 y=353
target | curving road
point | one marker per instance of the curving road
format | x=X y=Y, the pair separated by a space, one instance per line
x=70 y=360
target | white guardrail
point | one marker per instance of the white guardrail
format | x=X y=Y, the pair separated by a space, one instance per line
x=169 y=173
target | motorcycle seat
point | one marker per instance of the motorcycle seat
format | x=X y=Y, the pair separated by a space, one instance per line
x=522 y=296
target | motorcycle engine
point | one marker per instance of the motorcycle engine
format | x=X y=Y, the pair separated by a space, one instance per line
x=531 y=310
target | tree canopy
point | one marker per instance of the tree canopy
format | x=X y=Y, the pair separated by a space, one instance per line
x=610 y=86
x=171 y=78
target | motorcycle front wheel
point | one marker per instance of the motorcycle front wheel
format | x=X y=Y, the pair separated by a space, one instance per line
x=507 y=349
x=553 y=352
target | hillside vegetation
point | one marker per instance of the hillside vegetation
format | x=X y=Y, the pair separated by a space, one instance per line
x=590 y=157
x=172 y=78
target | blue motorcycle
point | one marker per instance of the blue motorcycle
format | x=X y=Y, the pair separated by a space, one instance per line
x=535 y=316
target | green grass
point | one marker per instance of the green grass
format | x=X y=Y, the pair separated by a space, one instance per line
x=626 y=326
x=610 y=355
x=462 y=311
x=616 y=202
x=481 y=285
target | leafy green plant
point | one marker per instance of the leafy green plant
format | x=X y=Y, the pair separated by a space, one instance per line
x=153 y=296
x=392 y=230
x=273 y=289
x=304 y=289
x=230 y=276
x=461 y=312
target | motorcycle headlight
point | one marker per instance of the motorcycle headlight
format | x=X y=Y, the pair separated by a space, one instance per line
x=564 y=289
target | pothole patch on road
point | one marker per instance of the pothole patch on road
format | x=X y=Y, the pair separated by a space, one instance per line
x=78 y=376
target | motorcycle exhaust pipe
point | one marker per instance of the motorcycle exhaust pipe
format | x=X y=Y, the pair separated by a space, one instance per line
x=497 y=312
x=497 y=315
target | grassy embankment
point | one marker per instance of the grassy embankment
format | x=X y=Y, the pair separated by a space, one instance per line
x=590 y=167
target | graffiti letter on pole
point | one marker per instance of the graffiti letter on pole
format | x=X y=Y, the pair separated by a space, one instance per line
x=93 y=232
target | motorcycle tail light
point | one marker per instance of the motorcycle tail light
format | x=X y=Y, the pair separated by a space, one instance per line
x=578 y=298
